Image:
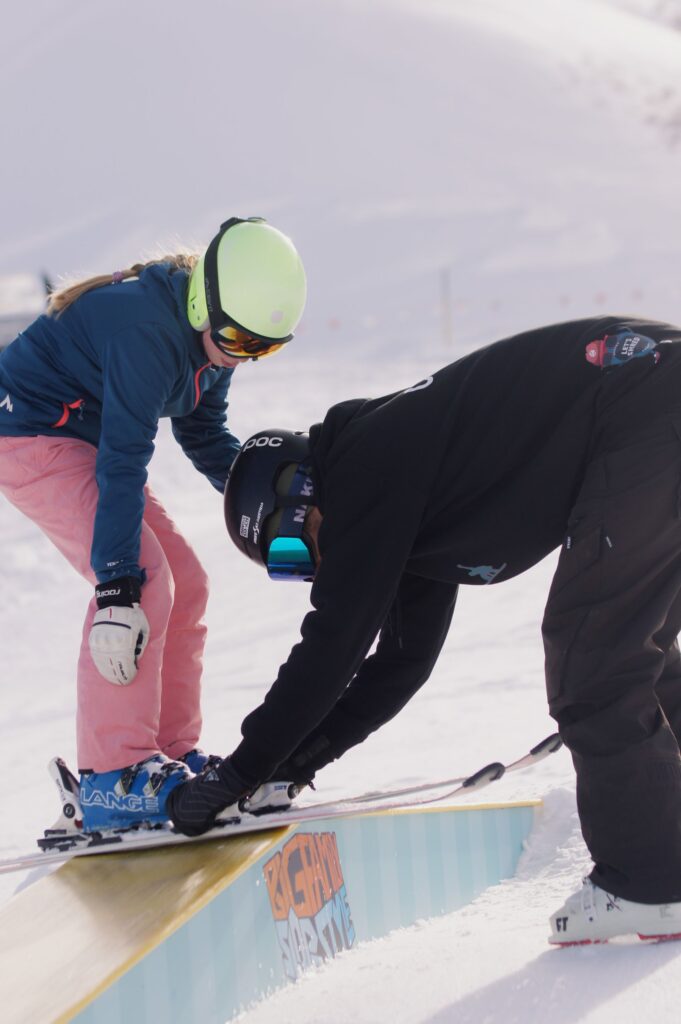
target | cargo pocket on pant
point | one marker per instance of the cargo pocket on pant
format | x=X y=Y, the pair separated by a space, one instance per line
x=576 y=585
x=581 y=551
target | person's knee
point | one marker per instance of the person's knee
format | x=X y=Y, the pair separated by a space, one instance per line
x=158 y=594
x=191 y=591
x=199 y=589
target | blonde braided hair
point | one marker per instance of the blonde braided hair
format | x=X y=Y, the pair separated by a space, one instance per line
x=64 y=297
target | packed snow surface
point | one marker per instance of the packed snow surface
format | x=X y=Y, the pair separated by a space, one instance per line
x=452 y=173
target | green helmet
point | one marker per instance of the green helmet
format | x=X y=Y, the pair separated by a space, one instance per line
x=250 y=277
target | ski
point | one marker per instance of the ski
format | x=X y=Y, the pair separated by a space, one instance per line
x=541 y=750
x=494 y=770
x=490 y=773
x=65 y=842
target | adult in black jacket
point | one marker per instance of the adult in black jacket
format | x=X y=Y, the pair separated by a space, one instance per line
x=566 y=435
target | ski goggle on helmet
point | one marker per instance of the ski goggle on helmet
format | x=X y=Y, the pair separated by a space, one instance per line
x=248 y=288
x=268 y=493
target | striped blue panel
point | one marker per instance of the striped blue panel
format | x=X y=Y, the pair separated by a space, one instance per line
x=333 y=884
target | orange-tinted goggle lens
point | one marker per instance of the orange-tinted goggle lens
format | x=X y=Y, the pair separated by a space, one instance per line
x=234 y=342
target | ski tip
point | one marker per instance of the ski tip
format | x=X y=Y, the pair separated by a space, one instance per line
x=490 y=773
x=549 y=745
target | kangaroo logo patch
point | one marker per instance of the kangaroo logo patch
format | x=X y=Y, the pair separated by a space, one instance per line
x=487 y=573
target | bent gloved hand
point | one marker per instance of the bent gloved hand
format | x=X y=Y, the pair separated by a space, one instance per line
x=119 y=631
x=194 y=806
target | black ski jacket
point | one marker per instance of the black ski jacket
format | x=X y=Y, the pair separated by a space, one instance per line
x=467 y=476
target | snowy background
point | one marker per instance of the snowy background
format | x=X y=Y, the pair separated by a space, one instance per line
x=452 y=172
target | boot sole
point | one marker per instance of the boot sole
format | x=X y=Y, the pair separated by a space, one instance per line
x=602 y=942
x=578 y=942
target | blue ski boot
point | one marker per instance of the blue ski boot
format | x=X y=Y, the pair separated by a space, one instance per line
x=130 y=796
x=196 y=760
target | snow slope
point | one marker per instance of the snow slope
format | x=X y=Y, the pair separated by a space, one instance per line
x=452 y=172
x=488 y=963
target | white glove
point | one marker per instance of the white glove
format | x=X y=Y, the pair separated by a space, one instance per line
x=118 y=637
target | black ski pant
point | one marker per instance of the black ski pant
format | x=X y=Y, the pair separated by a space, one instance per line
x=613 y=667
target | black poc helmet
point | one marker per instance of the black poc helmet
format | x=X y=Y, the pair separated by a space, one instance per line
x=267 y=494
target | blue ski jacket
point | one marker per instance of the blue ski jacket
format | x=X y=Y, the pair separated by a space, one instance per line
x=105 y=371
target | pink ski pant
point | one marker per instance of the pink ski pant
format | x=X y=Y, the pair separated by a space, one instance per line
x=52 y=480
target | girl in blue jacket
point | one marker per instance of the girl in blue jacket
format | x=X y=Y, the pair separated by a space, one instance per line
x=81 y=394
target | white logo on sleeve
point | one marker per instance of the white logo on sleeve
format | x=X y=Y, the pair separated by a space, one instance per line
x=7 y=404
x=421 y=386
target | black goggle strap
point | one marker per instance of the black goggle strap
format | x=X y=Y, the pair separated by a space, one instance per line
x=296 y=503
x=216 y=315
x=210 y=274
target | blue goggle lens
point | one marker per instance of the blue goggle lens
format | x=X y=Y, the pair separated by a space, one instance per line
x=289 y=558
